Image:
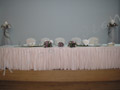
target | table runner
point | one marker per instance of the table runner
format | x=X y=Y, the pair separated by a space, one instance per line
x=64 y=58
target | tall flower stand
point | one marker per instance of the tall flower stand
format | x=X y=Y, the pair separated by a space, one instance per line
x=111 y=34
x=6 y=40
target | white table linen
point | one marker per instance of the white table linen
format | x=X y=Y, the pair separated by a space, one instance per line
x=64 y=58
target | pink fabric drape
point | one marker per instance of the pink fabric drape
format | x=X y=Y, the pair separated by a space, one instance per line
x=65 y=58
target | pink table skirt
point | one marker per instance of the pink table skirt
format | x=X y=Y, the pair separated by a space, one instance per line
x=66 y=58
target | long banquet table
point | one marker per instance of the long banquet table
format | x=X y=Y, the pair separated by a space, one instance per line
x=64 y=58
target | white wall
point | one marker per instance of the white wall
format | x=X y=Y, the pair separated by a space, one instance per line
x=57 y=18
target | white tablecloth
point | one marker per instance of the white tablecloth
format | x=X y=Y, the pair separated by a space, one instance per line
x=39 y=58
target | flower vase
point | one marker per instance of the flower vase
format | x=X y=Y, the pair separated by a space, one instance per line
x=111 y=35
x=6 y=40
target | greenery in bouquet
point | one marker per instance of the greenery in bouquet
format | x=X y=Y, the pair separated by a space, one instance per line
x=48 y=43
x=72 y=44
x=112 y=25
x=60 y=44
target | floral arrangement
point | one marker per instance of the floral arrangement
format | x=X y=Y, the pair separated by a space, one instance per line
x=60 y=44
x=72 y=44
x=48 y=43
x=5 y=27
x=112 y=24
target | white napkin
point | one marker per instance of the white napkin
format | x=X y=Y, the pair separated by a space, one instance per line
x=85 y=42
